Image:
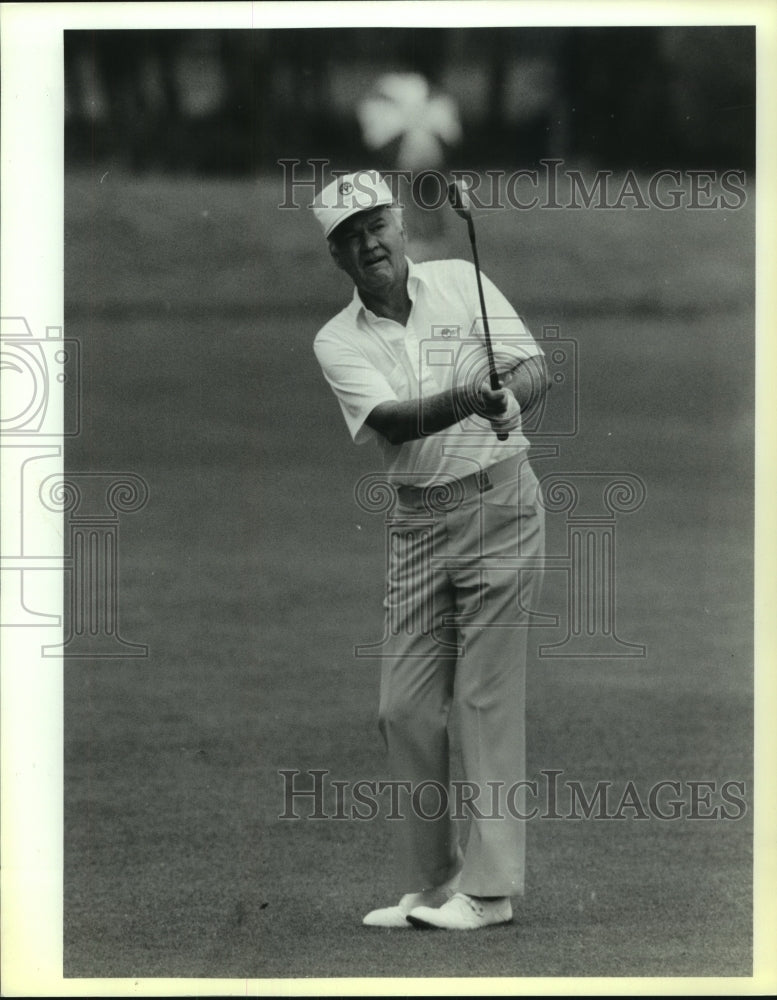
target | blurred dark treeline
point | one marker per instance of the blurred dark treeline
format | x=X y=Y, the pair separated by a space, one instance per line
x=235 y=102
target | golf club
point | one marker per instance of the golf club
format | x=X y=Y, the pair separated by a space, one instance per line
x=460 y=202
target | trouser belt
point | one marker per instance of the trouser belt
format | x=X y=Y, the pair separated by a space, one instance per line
x=446 y=494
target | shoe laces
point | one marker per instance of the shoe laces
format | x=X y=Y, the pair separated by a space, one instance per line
x=473 y=904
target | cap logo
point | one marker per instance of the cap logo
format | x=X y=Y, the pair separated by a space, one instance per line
x=346 y=195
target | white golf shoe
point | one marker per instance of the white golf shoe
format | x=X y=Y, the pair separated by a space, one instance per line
x=463 y=913
x=396 y=916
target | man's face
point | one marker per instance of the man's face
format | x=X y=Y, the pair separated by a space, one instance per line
x=370 y=248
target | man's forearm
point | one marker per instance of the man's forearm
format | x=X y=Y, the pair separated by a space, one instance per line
x=405 y=421
x=408 y=420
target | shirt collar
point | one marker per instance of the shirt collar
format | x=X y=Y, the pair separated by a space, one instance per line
x=359 y=311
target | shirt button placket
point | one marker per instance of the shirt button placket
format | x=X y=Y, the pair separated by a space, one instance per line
x=411 y=350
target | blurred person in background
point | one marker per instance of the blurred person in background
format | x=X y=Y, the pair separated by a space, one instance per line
x=404 y=112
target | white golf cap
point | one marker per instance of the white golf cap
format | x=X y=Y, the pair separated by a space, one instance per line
x=348 y=195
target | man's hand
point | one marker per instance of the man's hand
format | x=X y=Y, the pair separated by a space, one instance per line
x=495 y=402
x=504 y=413
x=528 y=381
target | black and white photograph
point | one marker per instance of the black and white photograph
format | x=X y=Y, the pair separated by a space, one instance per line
x=385 y=435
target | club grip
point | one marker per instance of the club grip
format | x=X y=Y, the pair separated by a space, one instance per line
x=502 y=436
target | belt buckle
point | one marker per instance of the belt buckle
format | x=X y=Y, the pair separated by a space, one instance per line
x=484 y=481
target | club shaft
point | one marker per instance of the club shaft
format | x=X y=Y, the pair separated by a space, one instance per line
x=493 y=377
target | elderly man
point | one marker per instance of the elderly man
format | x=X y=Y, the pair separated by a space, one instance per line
x=461 y=590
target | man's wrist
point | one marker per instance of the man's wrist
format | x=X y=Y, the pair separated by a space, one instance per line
x=467 y=402
x=511 y=418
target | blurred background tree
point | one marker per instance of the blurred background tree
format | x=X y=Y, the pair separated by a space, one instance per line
x=234 y=102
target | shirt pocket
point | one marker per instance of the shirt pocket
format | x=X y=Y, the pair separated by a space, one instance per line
x=507 y=495
x=520 y=495
x=510 y=521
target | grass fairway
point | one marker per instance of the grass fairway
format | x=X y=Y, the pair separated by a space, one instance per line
x=251 y=575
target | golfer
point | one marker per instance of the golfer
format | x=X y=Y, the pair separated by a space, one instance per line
x=407 y=362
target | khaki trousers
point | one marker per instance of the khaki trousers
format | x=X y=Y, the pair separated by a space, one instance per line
x=461 y=586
